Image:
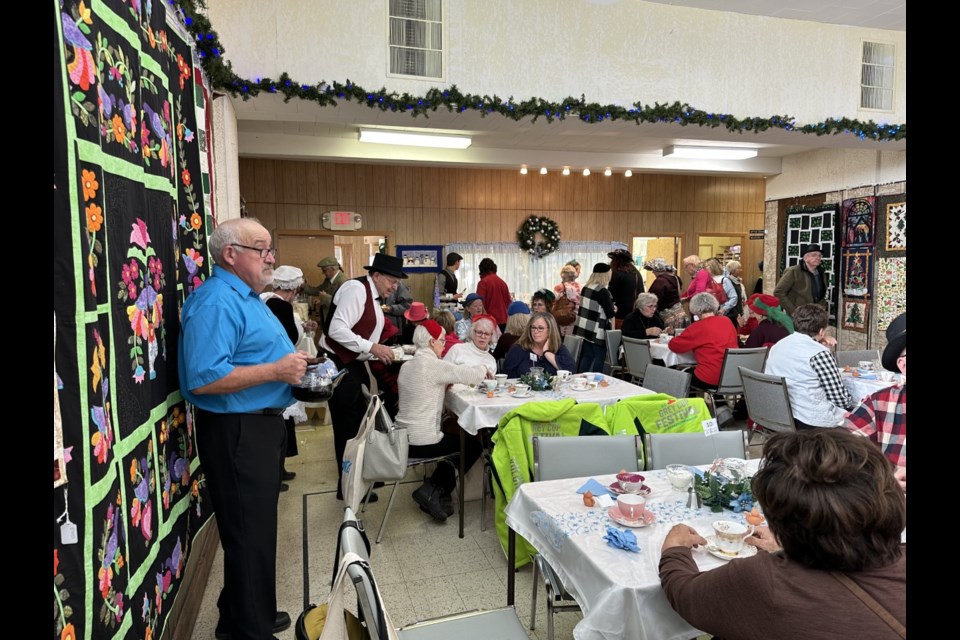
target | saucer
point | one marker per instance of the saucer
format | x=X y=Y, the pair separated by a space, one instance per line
x=648 y=518
x=517 y=394
x=615 y=487
x=746 y=551
x=590 y=387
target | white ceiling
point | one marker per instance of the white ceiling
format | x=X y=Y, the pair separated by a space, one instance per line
x=268 y=127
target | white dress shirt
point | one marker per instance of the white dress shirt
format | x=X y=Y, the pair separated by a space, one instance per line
x=350 y=300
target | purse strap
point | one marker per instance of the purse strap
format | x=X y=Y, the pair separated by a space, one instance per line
x=869 y=600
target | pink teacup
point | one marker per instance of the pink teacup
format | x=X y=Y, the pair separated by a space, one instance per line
x=631 y=506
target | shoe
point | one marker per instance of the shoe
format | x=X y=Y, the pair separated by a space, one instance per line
x=281 y=622
x=287 y=476
x=373 y=497
x=446 y=501
x=430 y=503
x=284 y=487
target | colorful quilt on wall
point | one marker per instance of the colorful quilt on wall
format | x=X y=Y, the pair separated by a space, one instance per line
x=817 y=225
x=891 y=294
x=858 y=227
x=892 y=226
x=131 y=212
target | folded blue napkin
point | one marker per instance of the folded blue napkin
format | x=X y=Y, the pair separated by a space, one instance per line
x=595 y=488
x=622 y=539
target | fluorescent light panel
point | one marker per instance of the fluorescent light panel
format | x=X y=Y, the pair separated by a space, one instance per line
x=382 y=136
x=709 y=153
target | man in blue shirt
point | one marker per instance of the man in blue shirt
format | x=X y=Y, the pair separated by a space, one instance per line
x=236 y=365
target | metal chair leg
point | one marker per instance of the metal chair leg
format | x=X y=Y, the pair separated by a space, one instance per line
x=550 y=612
x=383 y=523
x=366 y=498
x=533 y=595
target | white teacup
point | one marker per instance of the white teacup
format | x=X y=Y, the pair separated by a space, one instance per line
x=562 y=374
x=522 y=389
x=631 y=506
x=730 y=535
x=489 y=385
x=501 y=379
x=580 y=384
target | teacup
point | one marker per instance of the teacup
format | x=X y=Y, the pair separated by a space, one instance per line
x=579 y=384
x=522 y=389
x=679 y=476
x=501 y=379
x=730 y=535
x=562 y=374
x=630 y=482
x=489 y=385
x=631 y=506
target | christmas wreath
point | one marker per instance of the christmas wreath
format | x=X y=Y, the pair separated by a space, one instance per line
x=542 y=226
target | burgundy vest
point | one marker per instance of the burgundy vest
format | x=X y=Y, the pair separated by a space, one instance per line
x=364 y=327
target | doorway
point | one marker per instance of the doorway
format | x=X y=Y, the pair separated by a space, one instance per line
x=646 y=248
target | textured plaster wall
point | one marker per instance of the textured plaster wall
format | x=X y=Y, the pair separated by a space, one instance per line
x=226 y=170
x=619 y=52
x=835 y=169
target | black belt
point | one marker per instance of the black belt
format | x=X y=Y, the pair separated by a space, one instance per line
x=267 y=412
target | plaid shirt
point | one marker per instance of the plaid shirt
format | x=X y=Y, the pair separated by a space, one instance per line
x=825 y=366
x=883 y=418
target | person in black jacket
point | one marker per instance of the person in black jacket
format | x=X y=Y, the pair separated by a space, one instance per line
x=626 y=284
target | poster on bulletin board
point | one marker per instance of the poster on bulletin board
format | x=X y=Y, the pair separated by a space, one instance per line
x=420 y=258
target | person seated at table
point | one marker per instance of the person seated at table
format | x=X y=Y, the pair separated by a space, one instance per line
x=835 y=514
x=422 y=383
x=447 y=320
x=416 y=314
x=774 y=324
x=882 y=416
x=817 y=394
x=539 y=346
x=518 y=315
x=476 y=349
x=708 y=338
x=644 y=322
x=542 y=300
x=472 y=306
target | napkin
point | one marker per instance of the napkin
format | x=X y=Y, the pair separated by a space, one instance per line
x=594 y=487
x=622 y=539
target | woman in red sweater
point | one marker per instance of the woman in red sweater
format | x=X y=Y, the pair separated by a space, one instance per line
x=708 y=338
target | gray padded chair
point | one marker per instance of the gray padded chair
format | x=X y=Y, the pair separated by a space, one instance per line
x=730 y=382
x=672 y=382
x=573 y=344
x=694 y=448
x=853 y=358
x=573 y=457
x=636 y=357
x=471 y=625
x=768 y=403
x=612 y=340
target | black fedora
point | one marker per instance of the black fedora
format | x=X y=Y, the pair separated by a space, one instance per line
x=896 y=341
x=390 y=265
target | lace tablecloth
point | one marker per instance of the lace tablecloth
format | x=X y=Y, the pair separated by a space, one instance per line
x=476 y=411
x=618 y=591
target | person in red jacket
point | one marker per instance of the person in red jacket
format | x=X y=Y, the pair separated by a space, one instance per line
x=494 y=291
x=709 y=338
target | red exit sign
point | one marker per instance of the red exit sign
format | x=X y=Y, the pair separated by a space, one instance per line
x=341 y=221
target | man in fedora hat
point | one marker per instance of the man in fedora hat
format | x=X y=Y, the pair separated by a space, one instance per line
x=882 y=416
x=805 y=282
x=333 y=279
x=351 y=337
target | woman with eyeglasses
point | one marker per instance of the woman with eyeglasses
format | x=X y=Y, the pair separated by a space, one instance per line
x=476 y=349
x=644 y=322
x=539 y=346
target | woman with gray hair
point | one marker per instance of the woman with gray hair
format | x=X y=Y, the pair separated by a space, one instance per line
x=708 y=338
x=644 y=322
x=476 y=349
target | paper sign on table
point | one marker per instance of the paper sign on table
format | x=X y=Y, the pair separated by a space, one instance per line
x=605 y=500
x=710 y=427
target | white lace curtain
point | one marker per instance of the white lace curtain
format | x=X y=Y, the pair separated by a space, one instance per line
x=524 y=273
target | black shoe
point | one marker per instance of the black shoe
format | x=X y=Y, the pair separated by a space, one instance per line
x=281 y=622
x=378 y=485
x=430 y=503
x=284 y=487
x=446 y=501
x=287 y=476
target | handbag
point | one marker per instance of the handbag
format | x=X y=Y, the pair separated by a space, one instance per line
x=337 y=625
x=351 y=472
x=564 y=311
x=387 y=448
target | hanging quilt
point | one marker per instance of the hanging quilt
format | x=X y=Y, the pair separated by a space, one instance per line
x=815 y=225
x=858 y=226
x=857 y=273
x=855 y=315
x=131 y=214
x=891 y=294
x=892 y=226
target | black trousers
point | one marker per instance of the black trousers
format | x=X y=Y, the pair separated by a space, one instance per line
x=444 y=476
x=347 y=407
x=241 y=456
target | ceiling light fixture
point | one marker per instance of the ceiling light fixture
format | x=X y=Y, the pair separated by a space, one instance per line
x=411 y=139
x=586 y=172
x=709 y=153
x=523 y=171
x=543 y=171
x=627 y=173
x=566 y=171
x=608 y=172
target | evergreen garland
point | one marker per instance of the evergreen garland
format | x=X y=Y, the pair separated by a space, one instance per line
x=222 y=77
x=547 y=228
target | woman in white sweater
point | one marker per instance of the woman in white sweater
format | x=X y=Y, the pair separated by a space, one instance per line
x=422 y=383
x=476 y=349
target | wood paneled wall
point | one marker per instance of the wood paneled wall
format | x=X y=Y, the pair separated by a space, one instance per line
x=434 y=205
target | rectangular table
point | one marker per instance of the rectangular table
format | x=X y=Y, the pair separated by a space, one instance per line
x=618 y=591
x=475 y=411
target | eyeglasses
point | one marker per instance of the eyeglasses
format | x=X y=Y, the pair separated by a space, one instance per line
x=263 y=252
x=532 y=328
x=482 y=334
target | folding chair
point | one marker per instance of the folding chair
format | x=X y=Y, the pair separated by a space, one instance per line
x=853 y=358
x=573 y=344
x=730 y=383
x=694 y=448
x=665 y=380
x=612 y=339
x=636 y=357
x=768 y=402
x=572 y=457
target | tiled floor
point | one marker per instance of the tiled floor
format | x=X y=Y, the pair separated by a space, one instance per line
x=423 y=569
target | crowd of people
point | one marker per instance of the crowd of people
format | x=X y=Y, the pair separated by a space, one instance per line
x=242 y=346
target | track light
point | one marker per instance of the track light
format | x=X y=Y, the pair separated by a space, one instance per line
x=566 y=171
x=543 y=171
x=586 y=172
x=627 y=173
x=523 y=171
x=608 y=173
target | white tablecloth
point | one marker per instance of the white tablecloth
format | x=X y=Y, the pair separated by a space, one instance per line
x=861 y=387
x=618 y=591
x=476 y=411
x=660 y=351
